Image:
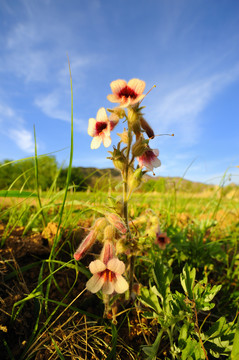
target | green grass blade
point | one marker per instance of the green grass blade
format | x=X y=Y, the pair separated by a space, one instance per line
x=17 y=193
x=37 y=181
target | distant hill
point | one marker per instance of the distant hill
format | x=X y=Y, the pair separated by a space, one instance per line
x=101 y=178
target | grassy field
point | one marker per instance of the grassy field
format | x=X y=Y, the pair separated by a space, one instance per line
x=186 y=290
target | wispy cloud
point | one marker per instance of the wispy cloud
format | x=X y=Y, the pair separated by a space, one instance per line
x=23 y=138
x=6 y=111
x=51 y=105
x=13 y=126
x=180 y=108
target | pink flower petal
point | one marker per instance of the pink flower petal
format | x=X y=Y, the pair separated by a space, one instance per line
x=116 y=266
x=156 y=152
x=95 y=143
x=97 y=266
x=108 y=287
x=91 y=127
x=137 y=85
x=156 y=163
x=117 y=85
x=120 y=284
x=95 y=283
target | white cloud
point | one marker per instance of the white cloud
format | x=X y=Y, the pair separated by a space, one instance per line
x=23 y=138
x=6 y=111
x=13 y=127
x=51 y=105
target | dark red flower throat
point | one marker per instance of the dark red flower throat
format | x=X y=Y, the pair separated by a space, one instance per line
x=100 y=126
x=127 y=92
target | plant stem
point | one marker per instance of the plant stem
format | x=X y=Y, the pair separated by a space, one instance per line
x=125 y=175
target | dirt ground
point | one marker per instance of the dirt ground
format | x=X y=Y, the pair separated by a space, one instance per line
x=20 y=267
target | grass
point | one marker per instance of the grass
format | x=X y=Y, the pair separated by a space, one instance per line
x=66 y=321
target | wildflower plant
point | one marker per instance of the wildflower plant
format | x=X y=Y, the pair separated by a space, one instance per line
x=133 y=156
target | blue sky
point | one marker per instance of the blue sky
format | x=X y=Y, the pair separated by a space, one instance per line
x=189 y=49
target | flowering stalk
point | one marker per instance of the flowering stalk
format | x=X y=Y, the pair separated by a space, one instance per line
x=125 y=176
x=108 y=269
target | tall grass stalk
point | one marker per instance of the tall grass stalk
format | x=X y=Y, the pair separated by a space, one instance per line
x=37 y=181
x=58 y=232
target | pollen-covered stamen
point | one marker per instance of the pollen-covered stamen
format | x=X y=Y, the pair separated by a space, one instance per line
x=107 y=275
x=100 y=126
x=127 y=92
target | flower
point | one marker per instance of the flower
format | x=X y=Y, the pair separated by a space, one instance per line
x=107 y=273
x=99 y=129
x=162 y=240
x=149 y=159
x=126 y=94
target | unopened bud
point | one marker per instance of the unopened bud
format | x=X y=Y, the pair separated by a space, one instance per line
x=140 y=146
x=136 y=129
x=124 y=136
x=117 y=222
x=109 y=233
x=118 y=159
x=135 y=179
x=132 y=116
x=100 y=224
x=119 y=112
x=85 y=245
x=108 y=252
x=147 y=128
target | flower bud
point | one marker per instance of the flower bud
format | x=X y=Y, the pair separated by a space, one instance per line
x=117 y=222
x=119 y=112
x=109 y=233
x=124 y=136
x=132 y=116
x=85 y=245
x=118 y=159
x=135 y=179
x=147 y=128
x=136 y=129
x=140 y=146
x=100 y=224
x=107 y=252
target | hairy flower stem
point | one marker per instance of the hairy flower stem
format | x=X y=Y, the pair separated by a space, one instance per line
x=106 y=301
x=125 y=175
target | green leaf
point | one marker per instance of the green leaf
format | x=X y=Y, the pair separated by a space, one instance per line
x=235 y=348
x=193 y=351
x=216 y=329
x=152 y=350
x=150 y=299
x=162 y=278
x=182 y=339
x=187 y=278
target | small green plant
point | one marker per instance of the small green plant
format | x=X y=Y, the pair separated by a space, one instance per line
x=179 y=316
